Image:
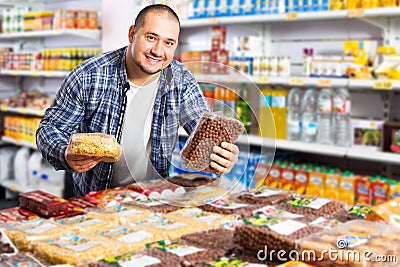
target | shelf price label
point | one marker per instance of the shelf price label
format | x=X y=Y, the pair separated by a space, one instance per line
x=291 y=16
x=35 y=73
x=3 y=108
x=296 y=81
x=324 y=83
x=262 y=80
x=355 y=13
x=23 y=111
x=212 y=21
x=383 y=85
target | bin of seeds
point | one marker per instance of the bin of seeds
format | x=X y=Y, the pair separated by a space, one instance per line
x=96 y=144
x=212 y=129
x=354 y=243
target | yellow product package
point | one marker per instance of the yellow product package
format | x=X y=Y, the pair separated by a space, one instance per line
x=96 y=144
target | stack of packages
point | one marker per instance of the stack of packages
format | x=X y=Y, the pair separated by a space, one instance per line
x=188 y=220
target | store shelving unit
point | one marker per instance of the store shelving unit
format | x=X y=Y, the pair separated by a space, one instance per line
x=91 y=34
x=34 y=73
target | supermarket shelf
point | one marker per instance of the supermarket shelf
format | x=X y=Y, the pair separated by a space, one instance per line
x=18 y=142
x=384 y=157
x=292 y=16
x=24 y=111
x=35 y=73
x=318 y=149
x=29 y=2
x=91 y=34
x=13 y=186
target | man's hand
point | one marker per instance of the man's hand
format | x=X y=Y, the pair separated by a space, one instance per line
x=80 y=163
x=224 y=157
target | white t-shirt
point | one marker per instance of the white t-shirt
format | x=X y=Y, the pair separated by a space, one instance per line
x=135 y=163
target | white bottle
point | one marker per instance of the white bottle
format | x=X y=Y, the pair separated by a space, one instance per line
x=324 y=117
x=341 y=111
x=309 y=116
x=34 y=166
x=294 y=114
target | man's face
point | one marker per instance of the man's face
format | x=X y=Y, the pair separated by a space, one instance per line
x=153 y=45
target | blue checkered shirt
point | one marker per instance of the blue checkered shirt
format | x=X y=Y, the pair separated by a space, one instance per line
x=92 y=99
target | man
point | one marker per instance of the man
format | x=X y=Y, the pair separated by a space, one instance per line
x=137 y=93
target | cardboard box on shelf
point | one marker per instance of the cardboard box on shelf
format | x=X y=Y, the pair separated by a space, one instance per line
x=367 y=133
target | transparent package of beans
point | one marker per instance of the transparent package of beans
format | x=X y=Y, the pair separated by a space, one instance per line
x=218 y=239
x=278 y=234
x=152 y=205
x=20 y=259
x=228 y=205
x=135 y=259
x=212 y=129
x=96 y=144
x=192 y=180
x=185 y=254
x=75 y=249
x=354 y=243
x=7 y=247
x=23 y=233
x=114 y=196
x=313 y=205
x=227 y=262
x=199 y=195
x=158 y=189
x=196 y=216
x=265 y=195
x=128 y=237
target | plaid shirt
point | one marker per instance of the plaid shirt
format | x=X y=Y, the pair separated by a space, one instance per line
x=92 y=99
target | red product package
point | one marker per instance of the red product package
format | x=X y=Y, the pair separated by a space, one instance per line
x=80 y=203
x=114 y=196
x=43 y=204
x=16 y=214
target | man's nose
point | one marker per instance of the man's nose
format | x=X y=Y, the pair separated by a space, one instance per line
x=157 y=48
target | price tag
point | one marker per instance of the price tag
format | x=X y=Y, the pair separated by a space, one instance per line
x=14 y=72
x=355 y=13
x=262 y=80
x=212 y=21
x=3 y=108
x=383 y=85
x=291 y=16
x=23 y=110
x=296 y=81
x=18 y=142
x=324 y=82
x=35 y=73
x=48 y=73
x=13 y=188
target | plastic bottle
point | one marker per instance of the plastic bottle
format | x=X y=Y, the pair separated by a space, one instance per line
x=34 y=165
x=266 y=120
x=294 y=114
x=279 y=110
x=324 y=117
x=341 y=111
x=309 y=116
x=243 y=110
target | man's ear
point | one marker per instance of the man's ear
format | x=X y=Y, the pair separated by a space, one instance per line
x=131 y=33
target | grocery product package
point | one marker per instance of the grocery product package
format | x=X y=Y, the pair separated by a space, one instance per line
x=354 y=243
x=152 y=205
x=122 y=214
x=16 y=214
x=85 y=222
x=212 y=129
x=135 y=259
x=265 y=195
x=217 y=239
x=185 y=254
x=7 y=247
x=96 y=144
x=43 y=204
x=191 y=180
x=158 y=189
x=114 y=196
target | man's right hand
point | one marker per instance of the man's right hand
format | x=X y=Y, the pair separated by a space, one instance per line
x=80 y=163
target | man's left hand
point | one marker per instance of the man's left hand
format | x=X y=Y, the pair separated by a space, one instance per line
x=224 y=157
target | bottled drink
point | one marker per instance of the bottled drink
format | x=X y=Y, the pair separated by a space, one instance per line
x=309 y=116
x=324 y=116
x=266 y=120
x=279 y=110
x=242 y=107
x=294 y=114
x=341 y=111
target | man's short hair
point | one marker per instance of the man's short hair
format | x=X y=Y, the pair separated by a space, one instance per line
x=156 y=8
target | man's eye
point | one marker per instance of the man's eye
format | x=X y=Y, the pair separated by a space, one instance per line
x=151 y=38
x=170 y=43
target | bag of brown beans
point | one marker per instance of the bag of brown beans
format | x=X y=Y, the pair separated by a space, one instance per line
x=212 y=129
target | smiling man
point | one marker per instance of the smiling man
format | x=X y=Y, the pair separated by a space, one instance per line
x=140 y=95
